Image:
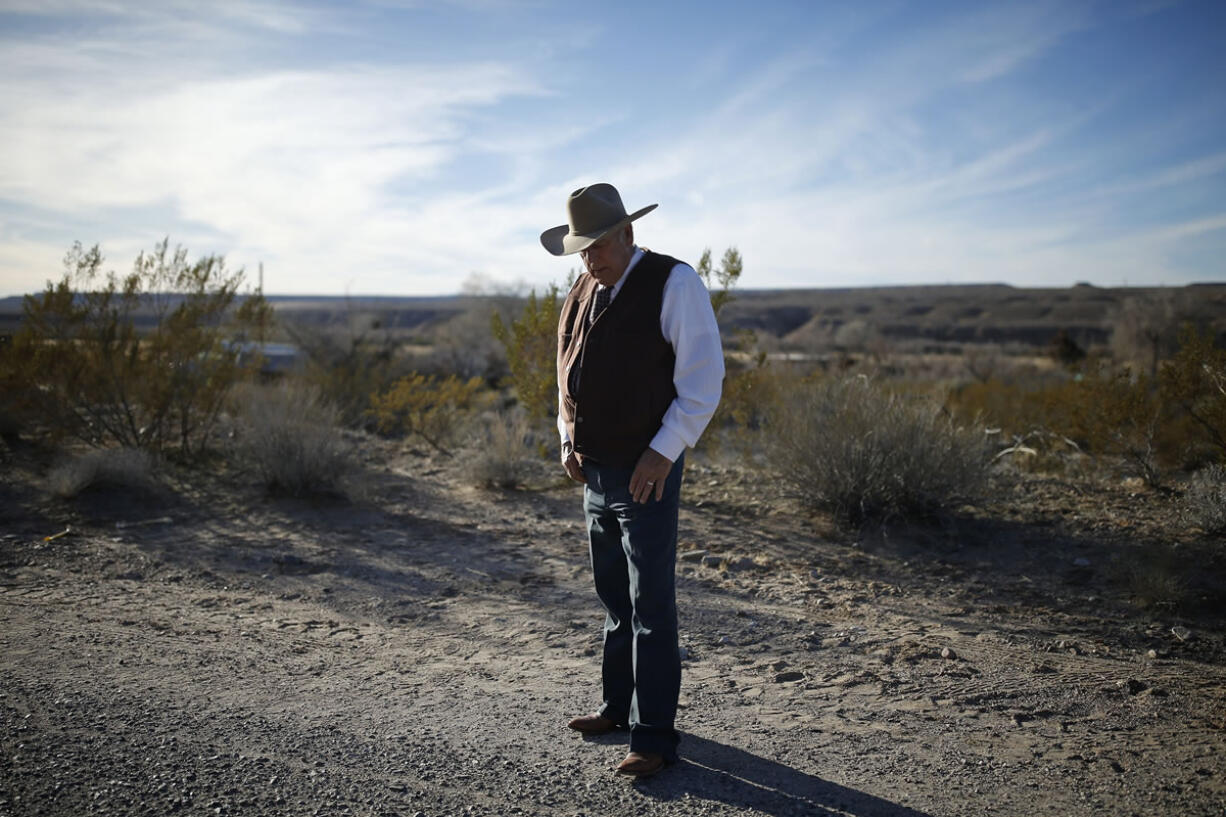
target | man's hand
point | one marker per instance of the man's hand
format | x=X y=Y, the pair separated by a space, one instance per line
x=573 y=469
x=649 y=475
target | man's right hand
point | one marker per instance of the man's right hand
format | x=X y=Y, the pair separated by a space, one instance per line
x=573 y=469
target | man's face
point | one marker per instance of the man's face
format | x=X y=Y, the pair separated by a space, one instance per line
x=607 y=258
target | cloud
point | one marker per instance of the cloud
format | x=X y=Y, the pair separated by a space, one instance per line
x=312 y=170
x=875 y=147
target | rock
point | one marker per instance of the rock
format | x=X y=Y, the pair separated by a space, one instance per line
x=1132 y=686
x=1152 y=654
x=790 y=675
x=1081 y=561
x=948 y=654
x=711 y=560
x=1182 y=633
x=693 y=555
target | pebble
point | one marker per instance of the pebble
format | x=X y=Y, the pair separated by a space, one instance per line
x=1182 y=633
x=949 y=654
x=693 y=555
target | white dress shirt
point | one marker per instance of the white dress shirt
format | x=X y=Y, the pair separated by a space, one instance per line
x=688 y=323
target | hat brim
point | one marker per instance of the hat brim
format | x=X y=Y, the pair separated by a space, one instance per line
x=560 y=241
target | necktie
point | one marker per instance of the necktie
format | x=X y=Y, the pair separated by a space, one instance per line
x=603 y=296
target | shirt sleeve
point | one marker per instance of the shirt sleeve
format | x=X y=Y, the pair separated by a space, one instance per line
x=565 y=438
x=688 y=323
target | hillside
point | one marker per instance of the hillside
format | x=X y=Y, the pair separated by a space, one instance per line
x=907 y=316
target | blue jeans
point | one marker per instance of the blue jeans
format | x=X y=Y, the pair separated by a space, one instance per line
x=634 y=549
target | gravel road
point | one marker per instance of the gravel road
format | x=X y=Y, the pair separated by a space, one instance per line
x=418 y=651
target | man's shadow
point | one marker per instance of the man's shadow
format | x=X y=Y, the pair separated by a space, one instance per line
x=712 y=771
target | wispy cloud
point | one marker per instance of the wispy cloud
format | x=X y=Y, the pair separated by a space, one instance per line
x=365 y=147
x=304 y=167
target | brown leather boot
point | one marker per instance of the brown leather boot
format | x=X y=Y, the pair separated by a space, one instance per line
x=592 y=724
x=641 y=764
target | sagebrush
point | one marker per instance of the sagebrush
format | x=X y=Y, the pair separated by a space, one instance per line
x=506 y=456
x=290 y=434
x=850 y=447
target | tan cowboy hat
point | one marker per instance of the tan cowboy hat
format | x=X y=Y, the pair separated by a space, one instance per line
x=592 y=212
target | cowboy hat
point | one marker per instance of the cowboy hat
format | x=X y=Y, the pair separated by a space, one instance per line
x=592 y=212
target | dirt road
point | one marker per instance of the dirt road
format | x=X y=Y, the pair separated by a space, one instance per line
x=418 y=651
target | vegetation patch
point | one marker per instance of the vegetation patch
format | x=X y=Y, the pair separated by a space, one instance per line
x=850 y=447
x=291 y=435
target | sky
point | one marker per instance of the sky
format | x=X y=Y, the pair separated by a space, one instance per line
x=419 y=147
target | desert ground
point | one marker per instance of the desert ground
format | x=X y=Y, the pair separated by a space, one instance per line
x=417 y=647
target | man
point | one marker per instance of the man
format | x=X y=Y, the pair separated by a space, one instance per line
x=640 y=368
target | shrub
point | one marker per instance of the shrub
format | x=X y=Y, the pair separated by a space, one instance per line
x=349 y=365
x=1204 y=504
x=426 y=406
x=752 y=390
x=507 y=456
x=849 y=447
x=1195 y=381
x=1118 y=415
x=128 y=468
x=531 y=344
x=89 y=371
x=291 y=435
x=730 y=268
x=1102 y=413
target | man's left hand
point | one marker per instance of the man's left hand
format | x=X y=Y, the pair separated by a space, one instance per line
x=649 y=475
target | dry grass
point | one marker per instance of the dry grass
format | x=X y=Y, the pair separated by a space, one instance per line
x=123 y=468
x=291 y=435
x=507 y=455
x=850 y=447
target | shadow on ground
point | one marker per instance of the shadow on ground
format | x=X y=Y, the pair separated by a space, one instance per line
x=714 y=771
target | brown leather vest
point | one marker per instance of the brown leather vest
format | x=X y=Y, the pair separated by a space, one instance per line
x=625 y=383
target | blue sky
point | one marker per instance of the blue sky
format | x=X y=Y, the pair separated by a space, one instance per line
x=386 y=147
